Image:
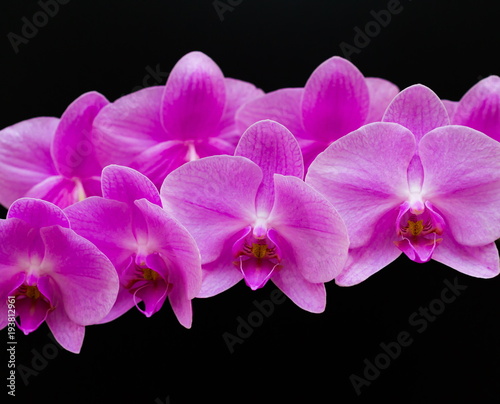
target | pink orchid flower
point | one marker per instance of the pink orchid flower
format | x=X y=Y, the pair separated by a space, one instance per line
x=54 y=274
x=479 y=108
x=336 y=100
x=50 y=158
x=154 y=255
x=254 y=218
x=159 y=128
x=437 y=197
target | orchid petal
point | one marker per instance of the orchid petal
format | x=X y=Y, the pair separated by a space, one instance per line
x=382 y=92
x=275 y=150
x=73 y=148
x=377 y=253
x=194 y=98
x=125 y=184
x=479 y=261
x=66 y=332
x=335 y=100
x=128 y=126
x=175 y=245
x=479 y=108
x=451 y=107
x=308 y=296
x=462 y=179
x=419 y=109
x=25 y=158
x=238 y=93
x=364 y=175
x=213 y=198
x=59 y=190
x=283 y=106
x=107 y=224
x=37 y=213
x=312 y=227
x=81 y=272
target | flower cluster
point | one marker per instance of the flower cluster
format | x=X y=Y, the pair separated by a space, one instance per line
x=181 y=191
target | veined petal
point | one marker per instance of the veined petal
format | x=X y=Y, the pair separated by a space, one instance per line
x=312 y=227
x=194 y=98
x=127 y=185
x=59 y=190
x=275 y=150
x=479 y=108
x=66 y=332
x=25 y=158
x=175 y=245
x=479 y=261
x=335 y=100
x=73 y=147
x=382 y=92
x=238 y=93
x=451 y=107
x=377 y=253
x=462 y=179
x=364 y=175
x=213 y=198
x=419 y=109
x=307 y=295
x=37 y=213
x=87 y=280
x=128 y=126
x=283 y=106
x=107 y=224
x=157 y=161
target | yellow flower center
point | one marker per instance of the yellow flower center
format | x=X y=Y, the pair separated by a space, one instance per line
x=149 y=274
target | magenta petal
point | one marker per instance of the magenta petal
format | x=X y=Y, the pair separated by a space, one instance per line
x=462 y=180
x=213 y=198
x=37 y=213
x=182 y=308
x=66 y=332
x=382 y=92
x=256 y=272
x=312 y=227
x=451 y=107
x=25 y=158
x=59 y=190
x=275 y=150
x=73 y=147
x=335 y=101
x=125 y=184
x=364 y=175
x=308 y=296
x=419 y=109
x=283 y=106
x=479 y=108
x=175 y=245
x=159 y=160
x=87 y=280
x=107 y=224
x=377 y=253
x=124 y=302
x=152 y=295
x=128 y=126
x=238 y=93
x=480 y=261
x=31 y=313
x=194 y=98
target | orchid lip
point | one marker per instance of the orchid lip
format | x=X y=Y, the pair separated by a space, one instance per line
x=418 y=230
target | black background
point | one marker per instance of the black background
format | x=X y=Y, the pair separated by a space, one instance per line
x=293 y=355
